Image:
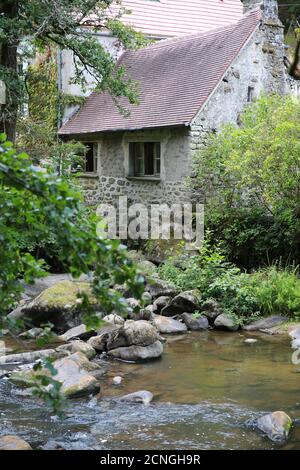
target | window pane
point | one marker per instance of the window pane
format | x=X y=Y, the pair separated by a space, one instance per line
x=89 y=157
x=149 y=158
x=157 y=158
x=138 y=158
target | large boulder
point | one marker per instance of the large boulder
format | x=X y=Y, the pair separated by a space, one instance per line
x=211 y=309
x=40 y=284
x=76 y=381
x=265 y=323
x=188 y=301
x=133 y=333
x=224 y=322
x=160 y=303
x=137 y=353
x=58 y=304
x=167 y=325
x=13 y=443
x=158 y=287
x=275 y=425
x=195 y=323
x=75 y=372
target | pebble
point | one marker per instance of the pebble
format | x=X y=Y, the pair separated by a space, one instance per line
x=117 y=380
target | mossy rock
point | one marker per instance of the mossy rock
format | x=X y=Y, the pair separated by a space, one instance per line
x=60 y=304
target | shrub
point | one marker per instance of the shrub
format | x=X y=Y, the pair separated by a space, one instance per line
x=250 y=177
x=277 y=291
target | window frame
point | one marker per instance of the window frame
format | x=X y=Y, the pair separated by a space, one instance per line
x=95 y=162
x=138 y=159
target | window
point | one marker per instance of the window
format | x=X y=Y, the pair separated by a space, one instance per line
x=144 y=159
x=91 y=157
x=250 y=94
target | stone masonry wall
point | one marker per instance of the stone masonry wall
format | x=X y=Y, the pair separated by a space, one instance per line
x=258 y=69
x=113 y=178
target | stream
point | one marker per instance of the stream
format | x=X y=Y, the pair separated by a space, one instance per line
x=206 y=386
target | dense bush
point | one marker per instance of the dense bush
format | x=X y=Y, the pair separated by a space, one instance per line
x=277 y=291
x=250 y=176
x=242 y=296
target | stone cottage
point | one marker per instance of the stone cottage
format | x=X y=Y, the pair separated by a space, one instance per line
x=189 y=86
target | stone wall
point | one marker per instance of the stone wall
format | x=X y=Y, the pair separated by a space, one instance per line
x=258 y=69
x=113 y=179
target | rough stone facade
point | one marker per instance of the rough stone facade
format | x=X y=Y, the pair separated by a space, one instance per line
x=113 y=181
x=259 y=68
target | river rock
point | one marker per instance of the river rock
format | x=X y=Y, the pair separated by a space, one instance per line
x=137 y=353
x=78 y=346
x=146 y=298
x=99 y=342
x=160 y=303
x=195 y=323
x=117 y=380
x=79 y=331
x=30 y=357
x=77 y=374
x=33 y=333
x=158 y=287
x=250 y=341
x=265 y=323
x=185 y=302
x=58 y=304
x=40 y=284
x=76 y=381
x=275 y=425
x=167 y=325
x=114 y=319
x=13 y=443
x=295 y=333
x=296 y=343
x=143 y=314
x=224 y=322
x=211 y=309
x=133 y=304
x=142 y=396
x=137 y=333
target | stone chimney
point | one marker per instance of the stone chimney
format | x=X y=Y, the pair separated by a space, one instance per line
x=269 y=7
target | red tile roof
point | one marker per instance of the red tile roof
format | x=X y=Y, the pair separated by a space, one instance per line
x=176 y=77
x=167 y=18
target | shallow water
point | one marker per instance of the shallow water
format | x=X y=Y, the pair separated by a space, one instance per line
x=206 y=386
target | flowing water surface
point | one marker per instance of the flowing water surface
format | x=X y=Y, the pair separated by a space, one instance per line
x=206 y=386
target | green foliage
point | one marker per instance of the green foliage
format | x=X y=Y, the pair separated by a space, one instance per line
x=30 y=198
x=47 y=388
x=244 y=297
x=215 y=278
x=250 y=175
x=45 y=24
x=277 y=291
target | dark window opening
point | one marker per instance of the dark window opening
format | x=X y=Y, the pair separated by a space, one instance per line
x=91 y=160
x=144 y=159
x=250 y=94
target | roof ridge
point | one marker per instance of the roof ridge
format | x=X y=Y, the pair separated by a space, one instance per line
x=182 y=39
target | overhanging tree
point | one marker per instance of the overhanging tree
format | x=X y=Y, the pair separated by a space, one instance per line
x=69 y=24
